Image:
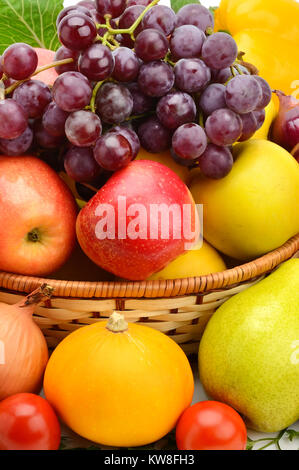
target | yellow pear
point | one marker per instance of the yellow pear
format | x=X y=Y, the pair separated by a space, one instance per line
x=254 y=209
x=203 y=259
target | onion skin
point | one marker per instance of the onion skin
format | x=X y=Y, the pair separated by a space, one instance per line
x=25 y=348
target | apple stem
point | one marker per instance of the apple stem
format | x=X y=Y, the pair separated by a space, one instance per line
x=117 y=323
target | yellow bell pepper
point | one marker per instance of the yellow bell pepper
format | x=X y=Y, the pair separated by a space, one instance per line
x=281 y=17
x=268 y=32
x=277 y=60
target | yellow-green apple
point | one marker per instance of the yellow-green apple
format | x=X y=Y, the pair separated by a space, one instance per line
x=139 y=221
x=45 y=57
x=37 y=217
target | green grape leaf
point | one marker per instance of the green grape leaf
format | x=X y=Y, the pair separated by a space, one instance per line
x=177 y=4
x=29 y=21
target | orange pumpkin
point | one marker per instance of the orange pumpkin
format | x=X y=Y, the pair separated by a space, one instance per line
x=119 y=384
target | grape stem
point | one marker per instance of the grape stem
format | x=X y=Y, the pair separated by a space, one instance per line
x=94 y=95
x=38 y=70
x=132 y=28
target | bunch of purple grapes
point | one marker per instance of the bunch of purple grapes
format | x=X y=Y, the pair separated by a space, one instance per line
x=134 y=73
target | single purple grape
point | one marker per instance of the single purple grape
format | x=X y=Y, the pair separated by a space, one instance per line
x=65 y=53
x=83 y=128
x=161 y=18
x=196 y=15
x=153 y=136
x=72 y=91
x=212 y=98
x=223 y=127
x=216 y=162
x=186 y=41
x=151 y=45
x=176 y=108
x=220 y=50
x=189 y=142
x=243 y=94
x=191 y=75
x=77 y=31
x=13 y=119
x=96 y=62
x=80 y=165
x=54 y=120
x=156 y=78
x=34 y=96
x=19 y=61
x=114 y=103
x=113 y=151
x=17 y=146
x=126 y=64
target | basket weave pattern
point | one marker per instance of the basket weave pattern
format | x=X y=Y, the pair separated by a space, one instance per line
x=180 y=308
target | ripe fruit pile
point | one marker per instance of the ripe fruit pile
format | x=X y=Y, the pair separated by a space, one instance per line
x=143 y=75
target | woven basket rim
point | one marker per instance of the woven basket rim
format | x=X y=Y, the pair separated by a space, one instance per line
x=159 y=288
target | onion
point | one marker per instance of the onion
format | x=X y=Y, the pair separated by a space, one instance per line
x=23 y=348
x=285 y=128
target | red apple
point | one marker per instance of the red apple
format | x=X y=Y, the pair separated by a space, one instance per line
x=45 y=57
x=121 y=229
x=37 y=217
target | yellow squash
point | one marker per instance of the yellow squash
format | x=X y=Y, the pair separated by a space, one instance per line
x=119 y=384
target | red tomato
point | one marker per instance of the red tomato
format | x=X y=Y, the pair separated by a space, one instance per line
x=211 y=425
x=27 y=422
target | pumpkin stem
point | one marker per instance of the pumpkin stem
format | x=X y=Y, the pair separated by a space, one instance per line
x=117 y=323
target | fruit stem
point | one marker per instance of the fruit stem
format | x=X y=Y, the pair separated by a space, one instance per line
x=238 y=69
x=38 y=70
x=117 y=323
x=94 y=95
x=167 y=59
x=132 y=28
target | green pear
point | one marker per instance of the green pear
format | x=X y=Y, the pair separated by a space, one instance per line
x=249 y=352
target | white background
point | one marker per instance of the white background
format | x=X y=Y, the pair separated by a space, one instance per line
x=199 y=393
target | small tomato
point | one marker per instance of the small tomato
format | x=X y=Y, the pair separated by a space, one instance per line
x=28 y=422
x=211 y=425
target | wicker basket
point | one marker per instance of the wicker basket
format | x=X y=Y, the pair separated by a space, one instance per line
x=180 y=308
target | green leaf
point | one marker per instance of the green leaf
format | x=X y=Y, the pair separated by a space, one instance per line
x=29 y=21
x=177 y=4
